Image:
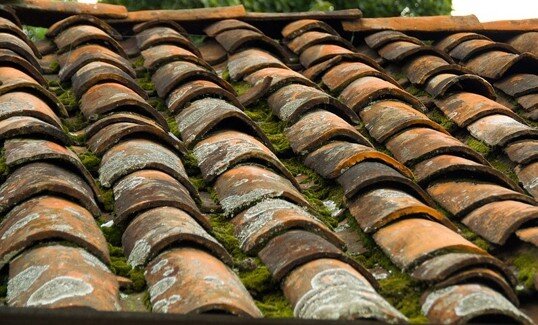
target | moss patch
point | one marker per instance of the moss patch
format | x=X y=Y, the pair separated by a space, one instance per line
x=275 y=305
x=240 y=87
x=439 y=117
x=35 y=33
x=90 y=161
x=119 y=266
x=417 y=92
x=504 y=165
x=4 y=169
x=172 y=125
x=271 y=126
x=527 y=267
x=138 y=62
x=67 y=97
x=478 y=146
x=473 y=237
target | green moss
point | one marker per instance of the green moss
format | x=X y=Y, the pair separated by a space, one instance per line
x=474 y=238
x=241 y=87
x=120 y=266
x=258 y=280
x=225 y=75
x=138 y=62
x=172 y=125
x=503 y=165
x=271 y=126
x=158 y=104
x=527 y=267
x=113 y=237
x=417 y=92
x=146 y=83
x=35 y=33
x=197 y=39
x=275 y=305
x=437 y=116
x=4 y=169
x=223 y=231
x=137 y=276
x=107 y=196
x=54 y=66
x=147 y=301
x=67 y=98
x=90 y=161
x=191 y=164
x=478 y=146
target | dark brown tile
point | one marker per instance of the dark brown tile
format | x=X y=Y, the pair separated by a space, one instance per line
x=529 y=235
x=341 y=75
x=318 y=53
x=299 y=27
x=212 y=52
x=421 y=68
x=77 y=35
x=226 y=25
x=495 y=64
x=8 y=27
x=445 y=83
x=519 y=84
x=399 y=51
x=10 y=58
x=159 y=23
x=527 y=175
x=380 y=39
x=448 y=43
x=58 y=27
x=18 y=46
x=523 y=152
x=525 y=42
x=120 y=117
x=316 y=71
x=310 y=38
x=160 y=35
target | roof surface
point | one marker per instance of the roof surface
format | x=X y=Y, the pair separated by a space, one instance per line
x=307 y=165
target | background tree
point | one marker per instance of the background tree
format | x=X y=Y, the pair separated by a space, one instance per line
x=370 y=8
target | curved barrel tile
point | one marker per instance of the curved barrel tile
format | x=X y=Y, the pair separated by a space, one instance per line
x=20 y=47
x=525 y=42
x=235 y=39
x=321 y=52
x=310 y=38
x=420 y=69
x=330 y=289
x=409 y=242
x=203 y=115
x=12 y=59
x=257 y=225
x=280 y=78
x=289 y=103
x=464 y=303
x=462 y=197
x=495 y=64
x=448 y=43
x=385 y=118
x=105 y=98
x=294 y=248
x=40 y=177
x=468 y=49
x=527 y=176
x=26 y=126
x=400 y=51
x=498 y=130
x=318 y=127
x=248 y=61
x=519 y=84
x=522 y=152
x=379 y=207
x=58 y=27
x=120 y=117
x=20 y=103
x=226 y=25
x=153 y=23
x=241 y=187
x=223 y=150
x=444 y=84
x=46 y=218
x=155 y=230
x=317 y=71
x=299 y=27
x=196 y=89
x=188 y=280
x=380 y=39
x=136 y=154
x=160 y=35
x=340 y=76
x=159 y=55
x=77 y=35
x=61 y=277
x=147 y=189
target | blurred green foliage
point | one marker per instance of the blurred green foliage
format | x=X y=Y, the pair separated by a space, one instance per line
x=370 y=8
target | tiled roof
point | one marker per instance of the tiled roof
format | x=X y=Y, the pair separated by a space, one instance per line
x=280 y=166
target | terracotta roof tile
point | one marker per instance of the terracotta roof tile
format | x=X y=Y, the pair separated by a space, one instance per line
x=159 y=55
x=444 y=84
x=75 y=20
x=524 y=42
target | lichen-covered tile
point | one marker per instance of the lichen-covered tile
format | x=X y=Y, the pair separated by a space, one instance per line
x=160 y=35
x=78 y=35
x=498 y=130
x=155 y=230
x=518 y=84
x=446 y=83
x=188 y=280
x=250 y=60
x=20 y=103
x=528 y=176
x=523 y=152
x=280 y=78
x=58 y=27
x=190 y=91
x=421 y=68
x=341 y=75
x=468 y=49
x=26 y=126
x=159 y=55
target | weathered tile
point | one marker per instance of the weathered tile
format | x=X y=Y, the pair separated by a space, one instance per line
x=415 y=145
x=72 y=61
x=105 y=98
x=174 y=74
x=61 y=277
x=10 y=58
x=99 y=72
x=190 y=91
x=39 y=178
x=257 y=225
x=318 y=53
x=18 y=46
x=45 y=218
x=8 y=27
x=448 y=43
x=468 y=49
x=385 y=118
x=160 y=35
x=21 y=151
x=529 y=103
x=448 y=166
x=289 y=103
x=518 y=84
x=497 y=221
x=147 y=189
x=318 y=70
x=77 y=35
x=525 y=42
x=111 y=134
x=120 y=117
x=310 y=38
x=439 y=268
x=327 y=288
x=466 y=302
x=419 y=69
x=465 y=108
x=156 y=230
x=336 y=158
x=410 y=242
x=9 y=13
x=197 y=119
x=379 y=207
x=494 y=64
x=299 y=27
x=529 y=235
x=221 y=151
x=234 y=40
x=280 y=78
x=294 y=248
x=498 y=130
x=523 y=152
x=250 y=60
x=241 y=187
x=228 y=24
x=318 y=127
x=341 y=75
x=26 y=126
x=188 y=280
x=159 y=22
x=159 y=55
x=58 y=27
x=212 y=52
x=528 y=177
x=463 y=197
x=446 y=83
x=366 y=90
x=380 y=39
x=401 y=50
x=135 y=154
x=20 y=103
